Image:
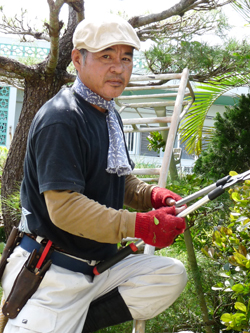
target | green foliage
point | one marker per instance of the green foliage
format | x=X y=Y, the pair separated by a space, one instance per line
x=142 y=165
x=229 y=148
x=3 y=156
x=204 y=219
x=205 y=62
x=12 y=203
x=230 y=250
x=156 y=141
x=13 y=206
x=193 y=132
x=30 y=60
x=242 y=6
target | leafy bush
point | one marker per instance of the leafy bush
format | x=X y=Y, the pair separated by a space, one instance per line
x=229 y=148
x=231 y=250
x=156 y=142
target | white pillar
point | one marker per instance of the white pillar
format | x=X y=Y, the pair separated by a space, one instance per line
x=11 y=116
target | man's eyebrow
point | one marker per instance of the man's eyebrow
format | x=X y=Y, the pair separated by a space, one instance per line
x=113 y=50
x=129 y=54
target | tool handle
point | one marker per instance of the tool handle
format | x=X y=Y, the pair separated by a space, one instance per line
x=126 y=251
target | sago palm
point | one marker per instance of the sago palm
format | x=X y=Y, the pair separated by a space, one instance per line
x=192 y=129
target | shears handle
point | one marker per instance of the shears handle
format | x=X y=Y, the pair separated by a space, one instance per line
x=126 y=251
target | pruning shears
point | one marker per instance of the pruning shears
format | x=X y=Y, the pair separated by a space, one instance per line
x=211 y=192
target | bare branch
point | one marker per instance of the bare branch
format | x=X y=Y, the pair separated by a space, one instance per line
x=190 y=24
x=16 y=26
x=178 y=10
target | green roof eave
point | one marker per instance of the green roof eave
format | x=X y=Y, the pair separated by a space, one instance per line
x=222 y=100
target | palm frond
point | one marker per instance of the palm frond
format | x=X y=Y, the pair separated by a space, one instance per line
x=243 y=8
x=192 y=130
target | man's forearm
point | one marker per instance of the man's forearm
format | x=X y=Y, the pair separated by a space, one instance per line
x=81 y=216
x=137 y=194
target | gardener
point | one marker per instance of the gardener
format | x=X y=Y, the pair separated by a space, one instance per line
x=77 y=175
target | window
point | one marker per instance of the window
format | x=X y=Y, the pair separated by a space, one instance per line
x=131 y=139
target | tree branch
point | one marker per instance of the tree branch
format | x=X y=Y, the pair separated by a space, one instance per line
x=15 y=67
x=16 y=26
x=65 y=44
x=19 y=84
x=54 y=28
x=78 y=6
x=68 y=78
x=175 y=29
x=10 y=75
x=179 y=9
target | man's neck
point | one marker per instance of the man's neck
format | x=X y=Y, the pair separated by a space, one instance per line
x=99 y=108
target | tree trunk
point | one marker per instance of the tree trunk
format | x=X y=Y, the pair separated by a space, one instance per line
x=173 y=169
x=37 y=92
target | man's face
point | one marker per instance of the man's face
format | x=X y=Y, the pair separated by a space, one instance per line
x=107 y=72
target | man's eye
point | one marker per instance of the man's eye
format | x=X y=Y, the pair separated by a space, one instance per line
x=106 y=56
x=127 y=59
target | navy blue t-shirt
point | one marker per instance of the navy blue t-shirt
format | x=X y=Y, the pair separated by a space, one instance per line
x=67 y=150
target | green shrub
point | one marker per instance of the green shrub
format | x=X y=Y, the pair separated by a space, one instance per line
x=231 y=250
x=229 y=148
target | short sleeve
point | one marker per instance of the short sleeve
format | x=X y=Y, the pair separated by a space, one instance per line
x=59 y=158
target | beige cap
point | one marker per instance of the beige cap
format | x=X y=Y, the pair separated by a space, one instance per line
x=99 y=33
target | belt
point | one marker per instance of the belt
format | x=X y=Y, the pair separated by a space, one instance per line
x=59 y=258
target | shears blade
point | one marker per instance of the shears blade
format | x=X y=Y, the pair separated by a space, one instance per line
x=238 y=178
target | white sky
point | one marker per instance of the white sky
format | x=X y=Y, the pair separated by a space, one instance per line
x=131 y=7
x=40 y=9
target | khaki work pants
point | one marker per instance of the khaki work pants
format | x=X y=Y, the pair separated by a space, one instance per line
x=147 y=284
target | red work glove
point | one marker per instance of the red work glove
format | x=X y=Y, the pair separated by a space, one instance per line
x=159 y=196
x=159 y=227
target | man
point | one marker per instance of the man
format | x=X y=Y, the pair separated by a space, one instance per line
x=77 y=175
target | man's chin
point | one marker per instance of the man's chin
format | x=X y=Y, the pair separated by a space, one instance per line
x=112 y=94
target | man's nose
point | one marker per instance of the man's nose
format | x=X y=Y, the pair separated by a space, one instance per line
x=117 y=66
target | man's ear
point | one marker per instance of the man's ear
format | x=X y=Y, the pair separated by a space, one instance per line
x=76 y=58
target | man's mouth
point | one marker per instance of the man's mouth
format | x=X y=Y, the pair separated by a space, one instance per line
x=115 y=82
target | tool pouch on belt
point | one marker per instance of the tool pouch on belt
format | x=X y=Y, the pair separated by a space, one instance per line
x=25 y=285
x=13 y=240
